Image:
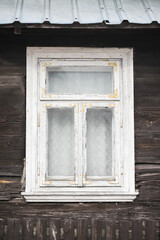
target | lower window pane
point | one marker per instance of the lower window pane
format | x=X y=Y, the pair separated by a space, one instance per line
x=99 y=142
x=61 y=142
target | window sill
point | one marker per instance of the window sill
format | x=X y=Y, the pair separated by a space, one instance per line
x=72 y=196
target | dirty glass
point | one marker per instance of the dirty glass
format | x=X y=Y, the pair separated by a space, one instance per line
x=61 y=142
x=80 y=80
x=99 y=142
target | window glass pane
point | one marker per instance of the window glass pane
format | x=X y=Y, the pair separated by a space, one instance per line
x=99 y=142
x=61 y=142
x=79 y=80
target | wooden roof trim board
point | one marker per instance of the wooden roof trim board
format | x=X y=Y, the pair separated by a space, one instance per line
x=17 y=26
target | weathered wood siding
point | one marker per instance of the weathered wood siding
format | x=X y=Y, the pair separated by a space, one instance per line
x=146 y=44
x=77 y=229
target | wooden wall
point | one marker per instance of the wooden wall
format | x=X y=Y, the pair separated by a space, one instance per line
x=146 y=44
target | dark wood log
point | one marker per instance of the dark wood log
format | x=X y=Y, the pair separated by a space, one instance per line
x=11 y=171
x=2 y=222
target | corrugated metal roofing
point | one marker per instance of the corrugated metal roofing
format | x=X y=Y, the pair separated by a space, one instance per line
x=82 y=11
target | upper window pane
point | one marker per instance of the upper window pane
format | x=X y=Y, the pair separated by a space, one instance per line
x=80 y=80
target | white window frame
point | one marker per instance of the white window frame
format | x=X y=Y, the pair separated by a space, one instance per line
x=39 y=188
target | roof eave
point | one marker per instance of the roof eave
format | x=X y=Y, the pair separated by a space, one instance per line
x=104 y=25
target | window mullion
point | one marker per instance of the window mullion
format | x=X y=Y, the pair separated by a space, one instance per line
x=80 y=164
x=84 y=142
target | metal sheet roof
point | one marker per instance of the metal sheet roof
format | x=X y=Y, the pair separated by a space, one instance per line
x=82 y=11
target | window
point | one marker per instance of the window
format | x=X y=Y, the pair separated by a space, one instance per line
x=80 y=126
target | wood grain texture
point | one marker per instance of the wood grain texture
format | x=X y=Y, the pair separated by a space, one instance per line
x=13 y=229
x=27 y=228
x=123 y=230
x=147 y=121
x=54 y=229
x=150 y=230
x=137 y=229
x=38 y=228
x=83 y=224
x=110 y=230
x=2 y=223
x=68 y=226
x=41 y=229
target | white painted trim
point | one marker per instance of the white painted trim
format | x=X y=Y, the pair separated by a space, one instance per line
x=49 y=64
x=36 y=191
x=72 y=197
x=46 y=180
x=115 y=179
